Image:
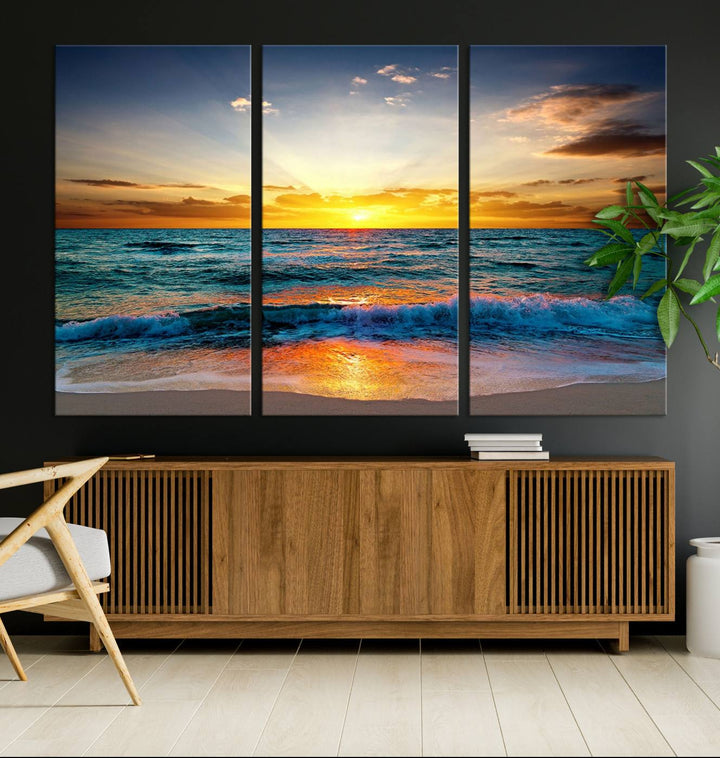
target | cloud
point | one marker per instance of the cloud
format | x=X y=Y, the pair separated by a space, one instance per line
x=491 y=193
x=519 y=140
x=581 y=181
x=196 y=201
x=244 y=104
x=399 y=101
x=303 y=200
x=401 y=75
x=588 y=120
x=403 y=78
x=539 y=182
x=278 y=187
x=444 y=73
x=626 y=179
x=573 y=105
x=241 y=104
x=122 y=184
x=236 y=207
x=237 y=200
x=621 y=141
x=359 y=81
x=387 y=70
x=106 y=183
x=524 y=212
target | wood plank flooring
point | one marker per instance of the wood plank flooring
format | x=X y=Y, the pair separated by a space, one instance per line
x=369 y=698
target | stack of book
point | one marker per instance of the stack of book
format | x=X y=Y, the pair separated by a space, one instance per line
x=506 y=447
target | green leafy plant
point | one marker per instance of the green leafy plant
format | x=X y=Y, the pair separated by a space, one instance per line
x=696 y=229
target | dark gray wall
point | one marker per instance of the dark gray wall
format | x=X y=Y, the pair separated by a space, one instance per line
x=689 y=434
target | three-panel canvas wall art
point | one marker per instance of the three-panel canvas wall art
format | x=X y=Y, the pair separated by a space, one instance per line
x=360 y=230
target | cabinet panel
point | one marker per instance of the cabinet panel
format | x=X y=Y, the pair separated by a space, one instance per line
x=467 y=567
x=281 y=551
x=393 y=543
x=364 y=542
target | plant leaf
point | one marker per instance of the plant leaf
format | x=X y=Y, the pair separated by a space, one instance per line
x=717 y=324
x=687 y=285
x=653 y=288
x=637 y=268
x=713 y=255
x=686 y=259
x=629 y=194
x=668 y=316
x=708 y=290
x=687 y=228
x=699 y=167
x=712 y=182
x=708 y=198
x=687 y=191
x=611 y=211
x=617 y=228
x=647 y=195
x=646 y=243
x=621 y=276
x=608 y=254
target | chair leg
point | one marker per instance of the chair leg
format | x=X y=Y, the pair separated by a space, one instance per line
x=7 y=646
x=70 y=557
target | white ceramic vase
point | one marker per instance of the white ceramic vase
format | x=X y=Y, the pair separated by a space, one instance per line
x=703 y=598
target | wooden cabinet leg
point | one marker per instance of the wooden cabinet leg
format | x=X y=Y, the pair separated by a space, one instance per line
x=95 y=643
x=624 y=637
x=622 y=644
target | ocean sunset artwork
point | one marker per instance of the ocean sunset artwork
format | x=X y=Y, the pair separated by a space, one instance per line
x=152 y=250
x=556 y=133
x=360 y=216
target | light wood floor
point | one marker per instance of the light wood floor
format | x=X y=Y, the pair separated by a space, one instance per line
x=349 y=698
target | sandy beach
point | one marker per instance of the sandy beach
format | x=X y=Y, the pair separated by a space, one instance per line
x=165 y=403
x=642 y=398
x=606 y=399
x=228 y=403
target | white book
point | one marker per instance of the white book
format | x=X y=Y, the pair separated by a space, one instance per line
x=531 y=447
x=543 y=455
x=504 y=437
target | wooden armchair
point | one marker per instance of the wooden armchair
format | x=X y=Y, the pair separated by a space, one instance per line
x=59 y=580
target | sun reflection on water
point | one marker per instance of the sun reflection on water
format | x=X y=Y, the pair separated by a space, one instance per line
x=359 y=370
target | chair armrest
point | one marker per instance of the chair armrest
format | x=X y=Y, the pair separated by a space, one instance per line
x=77 y=473
x=63 y=471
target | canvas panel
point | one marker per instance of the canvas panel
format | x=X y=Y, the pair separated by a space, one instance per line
x=152 y=230
x=556 y=133
x=360 y=230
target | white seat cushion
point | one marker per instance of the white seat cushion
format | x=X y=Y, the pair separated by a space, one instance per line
x=36 y=567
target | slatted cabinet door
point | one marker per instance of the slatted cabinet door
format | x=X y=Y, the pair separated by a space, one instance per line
x=158 y=523
x=591 y=541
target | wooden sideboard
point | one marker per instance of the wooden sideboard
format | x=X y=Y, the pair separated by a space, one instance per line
x=384 y=547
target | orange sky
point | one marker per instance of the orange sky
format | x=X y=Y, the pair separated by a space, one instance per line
x=122 y=204
x=398 y=207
